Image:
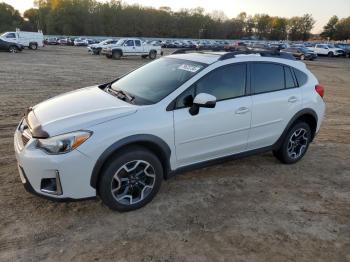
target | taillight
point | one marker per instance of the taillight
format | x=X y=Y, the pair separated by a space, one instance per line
x=320 y=90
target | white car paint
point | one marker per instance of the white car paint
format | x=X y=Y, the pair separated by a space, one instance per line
x=233 y=126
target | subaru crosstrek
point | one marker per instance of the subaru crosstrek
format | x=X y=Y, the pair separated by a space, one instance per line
x=119 y=140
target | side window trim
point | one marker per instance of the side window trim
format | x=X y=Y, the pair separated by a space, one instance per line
x=174 y=102
x=285 y=69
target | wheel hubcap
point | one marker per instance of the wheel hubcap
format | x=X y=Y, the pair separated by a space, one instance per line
x=297 y=143
x=133 y=182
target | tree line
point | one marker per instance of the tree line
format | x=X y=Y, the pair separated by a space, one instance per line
x=115 y=18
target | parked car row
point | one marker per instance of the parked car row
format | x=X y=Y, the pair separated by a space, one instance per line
x=69 y=41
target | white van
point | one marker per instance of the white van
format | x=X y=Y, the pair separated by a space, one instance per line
x=32 y=40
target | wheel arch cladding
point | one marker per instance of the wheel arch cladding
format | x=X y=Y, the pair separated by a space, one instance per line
x=151 y=142
x=307 y=115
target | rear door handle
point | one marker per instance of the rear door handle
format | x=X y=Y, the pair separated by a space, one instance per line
x=242 y=110
x=293 y=99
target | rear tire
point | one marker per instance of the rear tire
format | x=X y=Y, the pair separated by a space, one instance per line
x=33 y=46
x=295 y=144
x=152 y=55
x=131 y=180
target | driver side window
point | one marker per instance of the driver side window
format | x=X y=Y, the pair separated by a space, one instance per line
x=226 y=82
x=129 y=43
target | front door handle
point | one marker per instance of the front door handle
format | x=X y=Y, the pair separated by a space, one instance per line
x=293 y=99
x=242 y=110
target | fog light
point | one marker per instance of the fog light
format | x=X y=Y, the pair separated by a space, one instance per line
x=51 y=185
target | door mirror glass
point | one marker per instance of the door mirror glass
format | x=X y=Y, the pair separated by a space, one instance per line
x=202 y=100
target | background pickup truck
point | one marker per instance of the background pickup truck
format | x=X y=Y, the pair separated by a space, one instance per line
x=328 y=50
x=32 y=40
x=131 y=47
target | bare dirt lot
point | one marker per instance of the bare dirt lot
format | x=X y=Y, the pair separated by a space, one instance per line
x=253 y=209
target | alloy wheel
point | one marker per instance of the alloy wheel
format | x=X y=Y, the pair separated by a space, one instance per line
x=133 y=182
x=297 y=143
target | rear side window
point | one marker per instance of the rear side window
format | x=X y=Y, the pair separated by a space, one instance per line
x=266 y=77
x=137 y=42
x=290 y=83
x=301 y=77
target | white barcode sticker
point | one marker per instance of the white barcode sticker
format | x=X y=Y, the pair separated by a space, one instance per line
x=189 y=68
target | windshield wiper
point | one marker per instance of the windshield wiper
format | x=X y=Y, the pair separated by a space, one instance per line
x=120 y=94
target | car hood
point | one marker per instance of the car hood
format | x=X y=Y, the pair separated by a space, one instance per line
x=78 y=110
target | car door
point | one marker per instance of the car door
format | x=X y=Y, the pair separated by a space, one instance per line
x=129 y=48
x=138 y=47
x=219 y=131
x=276 y=99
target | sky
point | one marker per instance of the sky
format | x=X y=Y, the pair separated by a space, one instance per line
x=321 y=10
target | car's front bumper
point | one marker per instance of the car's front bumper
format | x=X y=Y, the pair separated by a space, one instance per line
x=106 y=51
x=69 y=173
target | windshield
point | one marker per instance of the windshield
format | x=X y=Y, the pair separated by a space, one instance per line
x=152 y=82
x=105 y=42
x=120 y=42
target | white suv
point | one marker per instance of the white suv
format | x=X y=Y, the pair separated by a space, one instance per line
x=120 y=140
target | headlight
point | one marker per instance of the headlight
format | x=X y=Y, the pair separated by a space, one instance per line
x=63 y=143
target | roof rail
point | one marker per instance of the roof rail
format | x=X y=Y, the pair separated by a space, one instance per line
x=239 y=51
x=264 y=53
x=199 y=49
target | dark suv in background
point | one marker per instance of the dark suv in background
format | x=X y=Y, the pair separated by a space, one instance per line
x=10 y=47
x=300 y=53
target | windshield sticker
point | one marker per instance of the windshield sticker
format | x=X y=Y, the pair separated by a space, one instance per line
x=189 y=68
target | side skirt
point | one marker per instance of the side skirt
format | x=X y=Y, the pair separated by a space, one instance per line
x=219 y=160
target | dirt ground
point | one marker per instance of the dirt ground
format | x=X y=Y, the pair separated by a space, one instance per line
x=252 y=209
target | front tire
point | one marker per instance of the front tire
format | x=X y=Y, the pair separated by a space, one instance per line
x=295 y=144
x=131 y=180
x=117 y=55
x=330 y=54
x=13 y=49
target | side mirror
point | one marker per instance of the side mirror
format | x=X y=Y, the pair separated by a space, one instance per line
x=202 y=100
